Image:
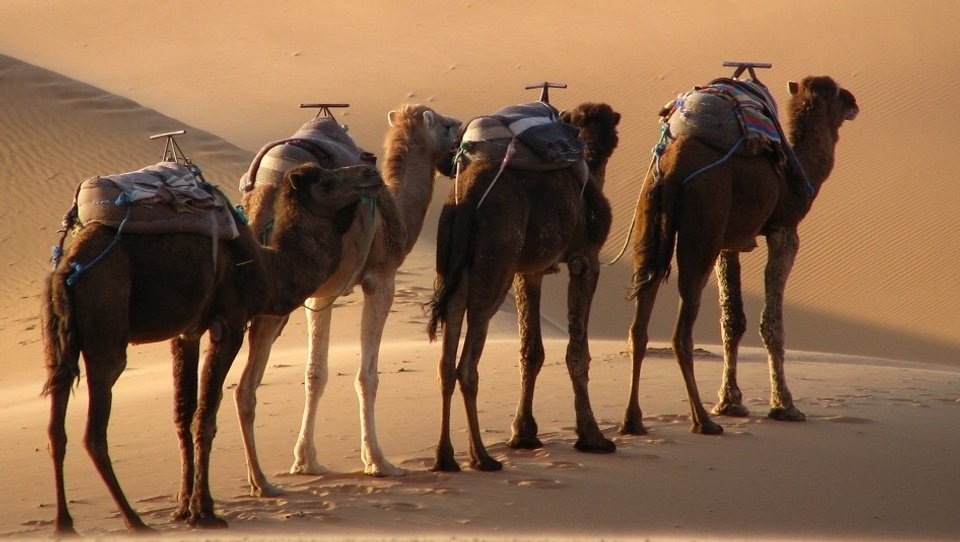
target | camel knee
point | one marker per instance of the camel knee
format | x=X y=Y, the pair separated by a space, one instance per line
x=366 y=381
x=315 y=377
x=469 y=381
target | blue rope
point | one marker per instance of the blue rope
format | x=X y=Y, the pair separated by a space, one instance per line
x=79 y=269
x=717 y=163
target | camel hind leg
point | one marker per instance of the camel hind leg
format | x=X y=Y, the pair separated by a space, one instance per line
x=57 y=435
x=733 y=324
x=584 y=273
x=186 y=362
x=103 y=370
x=527 y=290
x=645 y=297
x=447 y=376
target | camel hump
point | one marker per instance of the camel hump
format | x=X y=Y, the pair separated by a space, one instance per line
x=533 y=133
x=321 y=139
x=725 y=112
x=167 y=197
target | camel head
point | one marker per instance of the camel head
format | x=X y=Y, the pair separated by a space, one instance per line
x=419 y=125
x=822 y=94
x=328 y=193
x=597 y=123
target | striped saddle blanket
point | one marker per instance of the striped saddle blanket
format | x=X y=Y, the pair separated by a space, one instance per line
x=320 y=140
x=723 y=112
x=538 y=138
x=163 y=198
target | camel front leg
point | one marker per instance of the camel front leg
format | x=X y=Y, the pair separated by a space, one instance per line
x=319 y=312
x=527 y=291
x=378 y=298
x=782 y=248
x=186 y=363
x=733 y=324
x=264 y=330
x=584 y=273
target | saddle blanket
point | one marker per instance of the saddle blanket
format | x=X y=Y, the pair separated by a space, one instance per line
x=723 y=112
x=541 y=141
x=320 y=140
x=162 y=198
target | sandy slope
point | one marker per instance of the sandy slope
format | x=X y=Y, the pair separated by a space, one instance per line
x=876 y=277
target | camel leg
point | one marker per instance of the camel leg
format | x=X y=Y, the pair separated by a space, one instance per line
x=638 y=339
x=225 y=342
x=316 y=374
x=584 y=273
x=378 y=298
x=57 y=436
x=693 y=272
x=264 y=330
x=478 y=322
x=782 y=247
x=733 y=324
x=447 y=375
x=186 y=363
x=101 y=376
x=527 y=290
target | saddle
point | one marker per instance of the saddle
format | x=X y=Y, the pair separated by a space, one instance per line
x=320 y=140
x=540 y=141
x=725 y=113
x=168 y=197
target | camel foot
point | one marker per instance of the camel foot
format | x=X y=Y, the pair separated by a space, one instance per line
x=445 y=463
x=631 y=427
x=730 y=409
x=486 y=464
x=707 y=428
x=65 y=531
x=310 y=468
x=141 y=528
x=182 y=513
x=207 y=520
x=518 y=442
x=595 y=445
x=786 y=414
x=383 y=470
x=266 y=490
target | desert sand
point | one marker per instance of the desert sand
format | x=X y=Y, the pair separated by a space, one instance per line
x=871 y=307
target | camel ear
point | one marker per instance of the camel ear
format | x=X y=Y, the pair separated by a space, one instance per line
x=392 y=118
x=793 y=87
x=429 y=118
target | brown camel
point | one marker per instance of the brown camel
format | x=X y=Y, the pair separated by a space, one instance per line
x=529 y=223
x=149 y=288
x=719 y=213
x=374 y=249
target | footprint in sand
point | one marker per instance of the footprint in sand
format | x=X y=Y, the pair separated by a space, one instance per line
x=537 y=483
x=845 y=419
x=398 y=506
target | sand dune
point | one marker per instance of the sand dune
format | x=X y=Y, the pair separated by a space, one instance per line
x=871 y=311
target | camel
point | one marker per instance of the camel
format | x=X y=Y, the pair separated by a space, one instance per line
x=154 y=287
x=529 y=223
x=711 y=219
x=417 y=140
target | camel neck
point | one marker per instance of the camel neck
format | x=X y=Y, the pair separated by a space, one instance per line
x=409 y=178
x=301 y=256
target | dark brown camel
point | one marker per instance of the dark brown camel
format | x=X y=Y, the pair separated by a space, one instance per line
x=718 y=214
x=530 y=222
x=150 y=288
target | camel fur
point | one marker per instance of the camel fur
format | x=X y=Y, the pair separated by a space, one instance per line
x=530 y=222
x=150 y=288
x=374 y=248
x=711 y=219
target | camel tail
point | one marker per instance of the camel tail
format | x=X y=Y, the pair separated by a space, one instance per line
x=61 y=351
x=454 y=245
x=656 y=235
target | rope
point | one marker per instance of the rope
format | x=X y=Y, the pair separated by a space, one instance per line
x=511 y=150
x=79 y=269
x=657 y=151
x=715 y=164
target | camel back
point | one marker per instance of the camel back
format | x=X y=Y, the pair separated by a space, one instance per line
x=162 y=198
x=320 y=140
x=723 y=112
x=539 y=139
